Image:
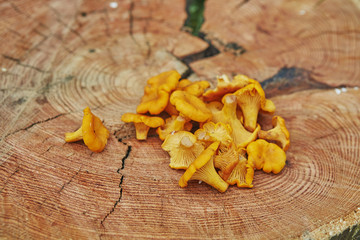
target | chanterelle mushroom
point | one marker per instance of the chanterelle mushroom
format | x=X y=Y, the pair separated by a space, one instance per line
x=279 y=133
x=142 y=123
x=183 y=149
x=157 y=91
x=92 y=131
x=203 y=169
x=190 y=106
x=251 y=99
x=224 y=86
x=266 y=156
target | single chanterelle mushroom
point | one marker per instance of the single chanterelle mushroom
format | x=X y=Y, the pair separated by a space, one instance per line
x=183 y=149
x=203 y=169
x=190 y=106
x=142 y=123
x=92 y=132
x=224 y=86
x=157 y=91
x=243 y=174
x=251 y=99
x=279 y=133
x=173 y=124
x=266 y=156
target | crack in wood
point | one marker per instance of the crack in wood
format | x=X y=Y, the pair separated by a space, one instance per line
x=71 y=179
x=59 y=20
x=126 y=156
x=193 y=24
x=318 y=3
x=40 y=33
x=210 y=51
x=34 y=124
x=18 y=61
x=106 y=20
x=35 y=47
x=8 y=179
x=131 y=22
x=49 y=85
x=263 y=30
x=48 y=149
x=292 y=79
x=239 y=5
x=18 y=10
x=115 y=204
x=231 y=47
x=16 y=33
x=62 y=187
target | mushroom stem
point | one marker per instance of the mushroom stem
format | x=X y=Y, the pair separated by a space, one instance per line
x=186 y=142
x=74 y=136
x=141 y=131
x=210 y=176
x=202 y=136
x=230 y=99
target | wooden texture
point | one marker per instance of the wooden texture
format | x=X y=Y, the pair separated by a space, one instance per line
x=59 y=56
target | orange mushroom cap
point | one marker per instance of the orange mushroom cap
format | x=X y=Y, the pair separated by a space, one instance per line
x=157 y=91
x=190 y=106
x=154 y=101
x=278 y=134
x=225 y=86
x=196 y=88
x=266 y=156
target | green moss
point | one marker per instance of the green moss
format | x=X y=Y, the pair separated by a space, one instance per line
x=195 y=18
x=351 y=233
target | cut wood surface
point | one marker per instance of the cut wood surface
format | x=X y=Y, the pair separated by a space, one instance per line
x=60 y=56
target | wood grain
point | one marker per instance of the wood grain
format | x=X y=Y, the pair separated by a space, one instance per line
x=57 y=57
x=318 y=36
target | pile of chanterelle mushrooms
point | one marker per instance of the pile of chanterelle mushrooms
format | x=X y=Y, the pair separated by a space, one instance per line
x=227 y=144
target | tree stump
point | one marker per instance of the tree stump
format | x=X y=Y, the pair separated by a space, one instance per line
x=58 y=57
